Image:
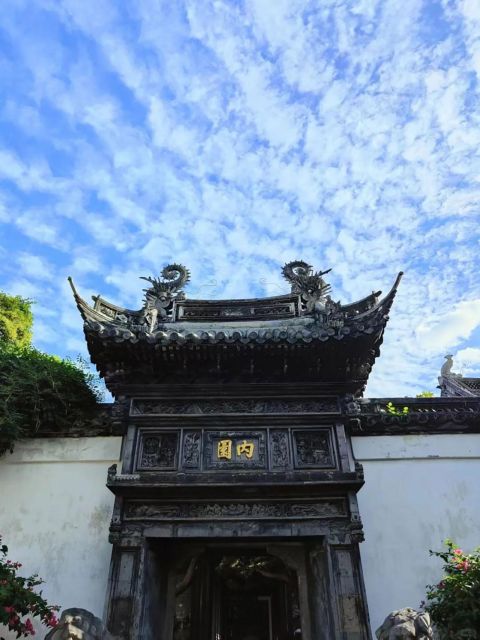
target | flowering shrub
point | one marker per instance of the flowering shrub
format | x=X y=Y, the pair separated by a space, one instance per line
x=454 y=603
x=18 y=599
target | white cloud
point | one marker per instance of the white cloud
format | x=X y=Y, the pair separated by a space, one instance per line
x=35 y=267
x=235 y=137
x=467 y=362
x=438 y=334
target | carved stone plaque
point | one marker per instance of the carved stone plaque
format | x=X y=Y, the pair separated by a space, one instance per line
x=312 y=449
x=158 y=451
x=235 y=450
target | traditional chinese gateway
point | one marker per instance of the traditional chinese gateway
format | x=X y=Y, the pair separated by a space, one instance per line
x=236 y=514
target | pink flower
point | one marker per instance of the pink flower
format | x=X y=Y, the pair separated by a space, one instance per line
x=29 y=627
x=458 y=552
x=51 y=620
x=13 y=620
x=9 y=609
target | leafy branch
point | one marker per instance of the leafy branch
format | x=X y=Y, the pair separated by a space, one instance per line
x=392 y=410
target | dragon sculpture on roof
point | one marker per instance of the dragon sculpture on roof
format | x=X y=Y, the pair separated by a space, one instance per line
x=312 y=288
x=159 y=297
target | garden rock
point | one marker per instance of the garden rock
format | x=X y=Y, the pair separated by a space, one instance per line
x=78 y=624
x=405 y=624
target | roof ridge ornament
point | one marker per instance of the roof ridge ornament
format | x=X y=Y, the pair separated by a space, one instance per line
x=174 y=277
x=160 y=296
x=304 y=280
x=312 y=288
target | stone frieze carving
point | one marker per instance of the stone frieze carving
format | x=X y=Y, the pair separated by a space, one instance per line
x=233 y=510
x=232 y=405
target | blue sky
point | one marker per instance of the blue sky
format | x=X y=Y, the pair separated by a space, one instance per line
x=233 y=136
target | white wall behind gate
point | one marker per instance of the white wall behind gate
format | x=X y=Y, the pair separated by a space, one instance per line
x=418 y=491
x=54 y=516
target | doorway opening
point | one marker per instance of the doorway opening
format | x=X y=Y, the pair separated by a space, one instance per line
x=235 y=594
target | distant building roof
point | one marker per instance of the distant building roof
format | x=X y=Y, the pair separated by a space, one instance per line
x=454 y=384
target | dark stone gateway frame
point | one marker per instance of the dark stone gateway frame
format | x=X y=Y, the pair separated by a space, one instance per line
x=279 y=378
x=295 y=500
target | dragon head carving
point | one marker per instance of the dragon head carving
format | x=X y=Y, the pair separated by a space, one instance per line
x=159 y=297
x=305 y=280
x=173 y=278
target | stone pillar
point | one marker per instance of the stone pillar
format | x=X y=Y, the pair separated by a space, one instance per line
x=294 y=557
x=320 y=591
x=349 y=601
x=125 y=589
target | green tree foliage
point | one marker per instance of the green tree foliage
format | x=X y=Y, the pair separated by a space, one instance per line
x=425 y=394
x=37 y=391
x=454 y=603
x=16 y=320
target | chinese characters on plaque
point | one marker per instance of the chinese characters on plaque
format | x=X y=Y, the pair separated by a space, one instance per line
x=229 y=450
x=242 y=448
x=224 y=449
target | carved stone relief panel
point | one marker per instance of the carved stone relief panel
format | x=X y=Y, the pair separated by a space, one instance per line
x=280 y=449
x=313 y=449
x=192 y=445
x=157 y=451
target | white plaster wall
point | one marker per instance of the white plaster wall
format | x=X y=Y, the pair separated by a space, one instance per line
x=54 y=516
x=418 y=491
x=55 y=512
